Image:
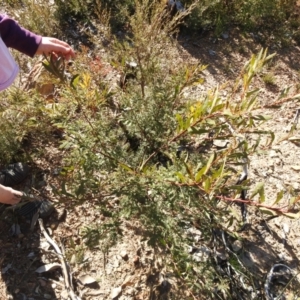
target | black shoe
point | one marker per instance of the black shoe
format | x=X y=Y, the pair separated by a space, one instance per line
x=14 y=174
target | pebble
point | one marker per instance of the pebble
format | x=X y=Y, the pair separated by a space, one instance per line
x=225 y=35
x=212 y=52
x=124 y=255
x=115 y=292
x=136 y=260
x=237 y=246
x=202 y=254
x=285 y=228
x=31 y=254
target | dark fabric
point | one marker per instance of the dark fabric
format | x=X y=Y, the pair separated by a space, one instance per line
x=17 y=37
x=13 y=174
x=29 y=209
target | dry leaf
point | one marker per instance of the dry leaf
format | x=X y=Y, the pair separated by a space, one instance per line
x=296 y=168
x=64 y=294
x=128 y=281
x=116 y=292
x=47 y=268
x=86 y=279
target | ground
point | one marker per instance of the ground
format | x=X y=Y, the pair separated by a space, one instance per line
x=129 y=269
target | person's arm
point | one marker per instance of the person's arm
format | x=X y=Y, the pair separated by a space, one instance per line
x=29 y=43
x=17 y=37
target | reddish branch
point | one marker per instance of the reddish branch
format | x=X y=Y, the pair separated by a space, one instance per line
x=278 y=210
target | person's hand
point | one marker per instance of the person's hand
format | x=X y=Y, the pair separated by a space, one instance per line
x=9 y=195
x=50 y=45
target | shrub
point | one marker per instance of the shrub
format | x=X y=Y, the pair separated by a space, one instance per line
x=151 y=149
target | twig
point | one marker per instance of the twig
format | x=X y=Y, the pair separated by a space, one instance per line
x=269 y=280
x=68 y=286
x=279 y=210
x=53 y=281
x=281 y=101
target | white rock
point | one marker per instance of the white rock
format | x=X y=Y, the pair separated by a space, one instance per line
x=116 y=292
x=237 y=246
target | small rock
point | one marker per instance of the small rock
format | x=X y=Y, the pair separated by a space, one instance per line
x=124 y=255
x=194 y=231
x=116 y=263
x=273 y=153
x=86 y=279
x=31 y=254
x=237 y=246
x=212 y=52
x=116 y=292
x=221 y=143
x=136 y=260
x=225 y=35
x=202 y=254
x=131 y=64
x=285 y=228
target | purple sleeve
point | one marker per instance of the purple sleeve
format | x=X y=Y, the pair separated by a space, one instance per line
x=17 y=37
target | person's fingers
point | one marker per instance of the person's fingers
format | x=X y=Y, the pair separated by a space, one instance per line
x=12 y=200
x=52 y=45
x=59 y=46
x=62 y=47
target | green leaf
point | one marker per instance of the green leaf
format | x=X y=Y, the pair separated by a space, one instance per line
x=268 y=211
x=197 y=131
x=219 y=172
x=259 y=189
x=200 y=174
x=279 y=197
x=180 y=121
x=180 y=177
x=125 y=167
x=189 y=170
x=262 y=118
x=74 y=81
x=207 y=184
x=209 y=163
x=292 y=215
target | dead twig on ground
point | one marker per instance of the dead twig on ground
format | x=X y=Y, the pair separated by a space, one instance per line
x=67 y=278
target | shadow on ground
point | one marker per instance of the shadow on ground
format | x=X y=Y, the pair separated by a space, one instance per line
x=225 y=54
x=23 y=250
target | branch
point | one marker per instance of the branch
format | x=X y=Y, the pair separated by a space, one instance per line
x=281 y=101
x=68 y=286
x=278 y=210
